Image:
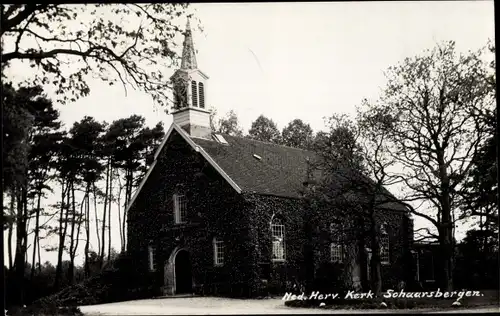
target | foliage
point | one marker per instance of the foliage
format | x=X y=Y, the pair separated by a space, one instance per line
x=116 y=282
x=75 y=159
x=16 y=123
x=130 y=147
x=432 y=107
x=229 y=125
x=477 y=260
x=350 y=176
x=30 y=126
x=297 y=134
x=66 y=42
x=320 y=140
x=264 y=129
x=41 y=284
x=480 y=197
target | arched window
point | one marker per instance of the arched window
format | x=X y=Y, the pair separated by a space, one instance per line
x=278 y=239
x=218 y=251
x=201 y=94
x=194 y=93
x=384 y=244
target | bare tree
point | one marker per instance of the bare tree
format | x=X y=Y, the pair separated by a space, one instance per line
x=434 y=104
x=353 y=171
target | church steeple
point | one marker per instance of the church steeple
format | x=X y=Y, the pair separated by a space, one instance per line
x=188 y=53
x=189 y=92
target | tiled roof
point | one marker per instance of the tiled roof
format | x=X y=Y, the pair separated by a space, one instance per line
x=264 y=168
x=260 y=167
x=252 y=166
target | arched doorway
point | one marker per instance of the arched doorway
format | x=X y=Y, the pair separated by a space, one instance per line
x=183 y=278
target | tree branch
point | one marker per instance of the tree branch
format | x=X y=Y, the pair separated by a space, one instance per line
x=8 y=24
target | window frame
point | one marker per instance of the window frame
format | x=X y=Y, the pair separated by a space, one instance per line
x=336 y=251
x=384 y=245
x=337 y=241
x=369 y=253
x=180 y=214
x=278 y=231
x=219 y=251
x=151 y=258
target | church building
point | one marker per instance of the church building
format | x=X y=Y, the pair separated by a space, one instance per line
x=224 y=215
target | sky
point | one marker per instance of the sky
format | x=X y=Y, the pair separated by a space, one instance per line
x=299 y=60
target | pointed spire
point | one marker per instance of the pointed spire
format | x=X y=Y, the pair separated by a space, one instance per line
x=188 y=54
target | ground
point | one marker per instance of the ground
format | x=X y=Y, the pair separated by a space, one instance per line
x=217 y=305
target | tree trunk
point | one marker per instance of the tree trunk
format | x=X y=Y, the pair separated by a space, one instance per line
x=103 y=239
x=25 y=224
x=127 y=201
x=119 y=215
x=61 y=240
x=362 y=257
x=35 y=237
x=63 y=226
x=446 y=231
x=80 y=220
x=446 y=245
x=71 y=268
x=87 y=231
x=39 y=257
x=109 y=211
x=11 y=226
x=9 y=246
x=19 y=263
x=376 y=279
x=96 y=220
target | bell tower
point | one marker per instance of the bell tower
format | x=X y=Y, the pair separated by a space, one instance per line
x=189 y=93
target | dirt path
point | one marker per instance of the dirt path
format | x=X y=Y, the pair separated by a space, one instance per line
x=217 y=305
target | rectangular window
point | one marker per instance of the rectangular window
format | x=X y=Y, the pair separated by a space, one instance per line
x=278 y=236
x=218 y=252
x=336 y=247
x=368 y=263
x=384 y=249
x=384 y=245
x=180 y=208
x=336 y=253
x=151 y=258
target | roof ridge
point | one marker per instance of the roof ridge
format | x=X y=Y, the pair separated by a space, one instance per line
x=269 y=143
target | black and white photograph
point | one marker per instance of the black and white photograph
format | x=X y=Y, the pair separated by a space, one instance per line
x=214 y=158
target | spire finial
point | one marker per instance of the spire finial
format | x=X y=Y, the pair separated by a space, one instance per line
x=188 y=54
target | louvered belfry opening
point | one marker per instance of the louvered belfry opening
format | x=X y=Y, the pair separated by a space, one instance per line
x=194 y=93
x=201 y=94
